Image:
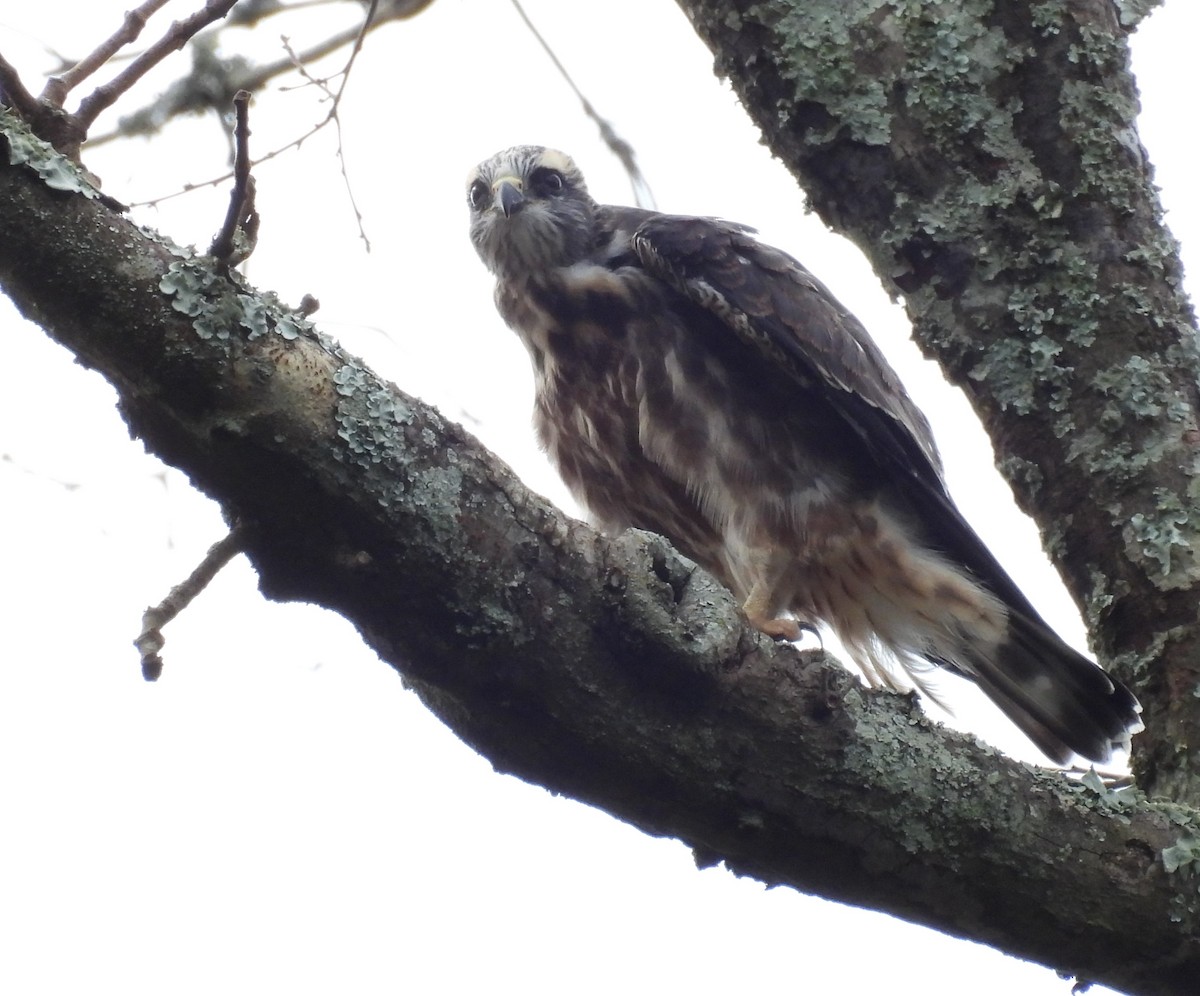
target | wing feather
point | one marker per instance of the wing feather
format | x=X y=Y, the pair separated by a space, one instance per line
x=776 y=307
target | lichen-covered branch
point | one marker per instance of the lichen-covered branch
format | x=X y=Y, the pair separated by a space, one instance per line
x=611 y=671
x=985 y=157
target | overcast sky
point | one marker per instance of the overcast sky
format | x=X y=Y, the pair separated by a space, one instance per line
x=277 y=814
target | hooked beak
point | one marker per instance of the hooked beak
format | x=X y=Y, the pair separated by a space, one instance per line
x=507 y=192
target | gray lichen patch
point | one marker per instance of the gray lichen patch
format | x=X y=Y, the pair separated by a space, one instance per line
x=223 y=308
x=1164 y=543
x=813 y=52
x=386 y=435
x=26 y=149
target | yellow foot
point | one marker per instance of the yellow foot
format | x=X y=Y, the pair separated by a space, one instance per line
x=779 y=629
x=765 y=601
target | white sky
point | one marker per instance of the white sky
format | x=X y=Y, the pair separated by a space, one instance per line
x=277 y=814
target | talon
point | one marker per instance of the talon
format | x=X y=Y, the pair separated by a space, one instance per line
x=780 y=629
x=807 y=627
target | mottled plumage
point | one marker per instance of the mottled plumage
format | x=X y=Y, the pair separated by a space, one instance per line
x=697 y=383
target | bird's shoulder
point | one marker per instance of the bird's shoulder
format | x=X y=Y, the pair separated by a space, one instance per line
x=779 y=309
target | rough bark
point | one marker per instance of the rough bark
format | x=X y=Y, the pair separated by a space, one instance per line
x=985 y=157
x=610 y=671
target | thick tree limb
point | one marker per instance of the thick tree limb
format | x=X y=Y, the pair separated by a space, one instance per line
x=985 y=157
x=610 y=671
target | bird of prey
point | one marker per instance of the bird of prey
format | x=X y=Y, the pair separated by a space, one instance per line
x=696 y=383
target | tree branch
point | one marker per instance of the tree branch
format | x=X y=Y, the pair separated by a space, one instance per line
x=57 y=87
x=241 y=219
x=150 y=641
x=613 y=671
x=68 y=130
x=178 y=35
x=194 y=92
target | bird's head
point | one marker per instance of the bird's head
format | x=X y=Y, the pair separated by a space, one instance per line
x=530 y=211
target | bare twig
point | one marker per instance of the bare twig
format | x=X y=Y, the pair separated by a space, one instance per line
x=396 y=9
x=248 y=14
x=57 y=87
x=150 y=641
x=334 y=96
x=242 y=215
x=182 y=98
x=176 y=37
x=214 y=181
x=372 y=10
x=67 y=131
x=620 y=148
x=335 y=99
x=7 y=458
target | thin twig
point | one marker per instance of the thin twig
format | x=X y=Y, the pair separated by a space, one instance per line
x=642 y=194
x=242 y=215
x=7 y=458
x=264 y=74
x=57 y=87
x=150 y=641
x=176 y=37
x=216 y=180
x=335 y=99
x=358 y=43
x=248 y=14
x=297 y=62
x=167 y=105
x=256 y=78
x=337 y=121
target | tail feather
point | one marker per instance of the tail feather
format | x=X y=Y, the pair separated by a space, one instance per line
x=1061 y=700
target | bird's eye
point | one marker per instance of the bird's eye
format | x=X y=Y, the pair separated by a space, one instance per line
x=477 y=195
x=547 y=182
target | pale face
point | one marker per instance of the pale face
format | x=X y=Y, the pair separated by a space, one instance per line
x=530 y=211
